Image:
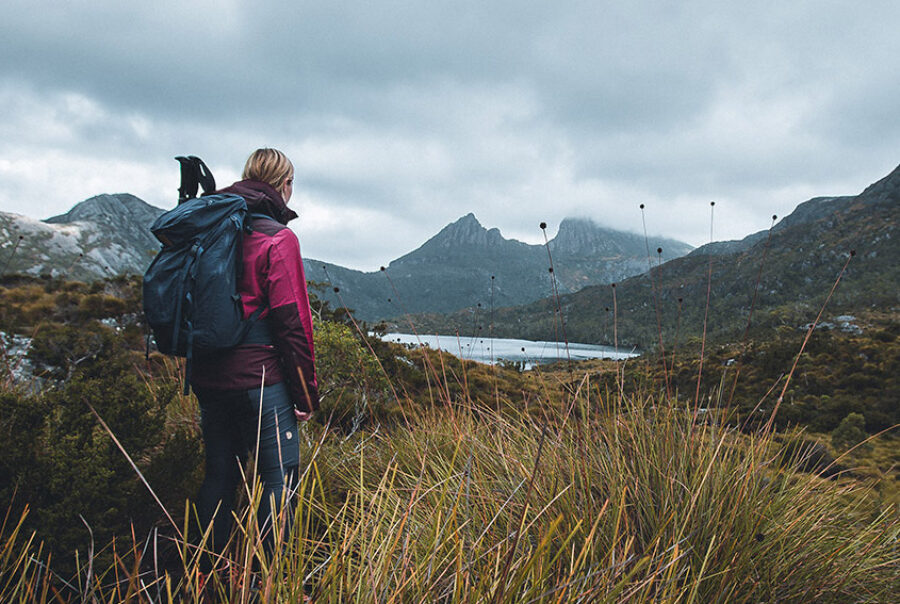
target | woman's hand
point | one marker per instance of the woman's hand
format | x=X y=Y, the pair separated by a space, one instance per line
x=302 y=416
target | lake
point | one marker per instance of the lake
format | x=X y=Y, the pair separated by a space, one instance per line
x=529 y=352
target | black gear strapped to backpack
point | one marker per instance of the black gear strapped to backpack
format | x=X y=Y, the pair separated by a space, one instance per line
x=194 y=174
x=191 y=298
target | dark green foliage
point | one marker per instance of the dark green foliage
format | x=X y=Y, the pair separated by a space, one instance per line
x=21 y=421
x=175 y=470
x=838 y=374
x=59 y=349
x=850 y=432
x=64 y=465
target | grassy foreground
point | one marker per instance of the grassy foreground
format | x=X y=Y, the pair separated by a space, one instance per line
x=623 y=498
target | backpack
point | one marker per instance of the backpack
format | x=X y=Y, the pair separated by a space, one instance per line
x=191 y=299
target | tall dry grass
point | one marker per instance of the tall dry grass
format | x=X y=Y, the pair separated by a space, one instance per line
x=636 y=502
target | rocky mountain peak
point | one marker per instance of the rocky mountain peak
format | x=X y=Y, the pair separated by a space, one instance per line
x=580 y=237
x=121 y=217
x=99 y=237
x=466 y=231
x=109 y=209
x=464 y=224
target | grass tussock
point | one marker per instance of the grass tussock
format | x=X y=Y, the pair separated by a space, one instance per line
x=636 y=502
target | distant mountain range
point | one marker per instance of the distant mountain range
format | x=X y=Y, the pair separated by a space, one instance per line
x=797 y=265
x=464 y=264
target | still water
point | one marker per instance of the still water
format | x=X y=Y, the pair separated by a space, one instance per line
x=487 y=350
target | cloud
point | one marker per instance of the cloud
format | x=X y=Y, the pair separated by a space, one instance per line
x=402 y=116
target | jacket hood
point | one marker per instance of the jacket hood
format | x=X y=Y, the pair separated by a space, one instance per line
x=262 y=198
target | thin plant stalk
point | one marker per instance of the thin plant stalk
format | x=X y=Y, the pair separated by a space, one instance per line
x=712 y=207
x=653 y=288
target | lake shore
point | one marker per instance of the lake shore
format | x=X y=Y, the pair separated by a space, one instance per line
x=528 y=352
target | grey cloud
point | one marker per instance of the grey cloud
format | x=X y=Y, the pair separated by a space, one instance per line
x=426 y=111
x=268 y=57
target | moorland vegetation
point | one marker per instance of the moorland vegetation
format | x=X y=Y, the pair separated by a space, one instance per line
x=426 y=478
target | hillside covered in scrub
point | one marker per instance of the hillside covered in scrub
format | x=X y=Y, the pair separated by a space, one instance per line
x=428 y=478
x=782 y=277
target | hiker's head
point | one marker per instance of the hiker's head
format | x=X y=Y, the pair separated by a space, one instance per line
x=272 y=167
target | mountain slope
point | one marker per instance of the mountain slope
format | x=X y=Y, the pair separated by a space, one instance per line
x=805 y=213
x=799 y=264
x=100 y=237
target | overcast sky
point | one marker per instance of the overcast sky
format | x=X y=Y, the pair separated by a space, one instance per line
x=400 y=117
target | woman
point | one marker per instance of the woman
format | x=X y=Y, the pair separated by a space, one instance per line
x=269 y=381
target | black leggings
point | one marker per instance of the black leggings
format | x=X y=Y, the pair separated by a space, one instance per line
x=229 y=419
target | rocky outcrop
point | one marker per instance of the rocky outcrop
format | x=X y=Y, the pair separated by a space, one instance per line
x=100 y=237
x=582 y=237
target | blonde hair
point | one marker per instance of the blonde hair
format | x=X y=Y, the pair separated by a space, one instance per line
x=270 y=166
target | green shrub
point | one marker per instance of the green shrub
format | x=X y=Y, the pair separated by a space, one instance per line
x=352 y=385
x=850 y=432
x=64 y=465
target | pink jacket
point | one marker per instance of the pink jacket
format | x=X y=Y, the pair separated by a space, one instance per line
x=272 y=275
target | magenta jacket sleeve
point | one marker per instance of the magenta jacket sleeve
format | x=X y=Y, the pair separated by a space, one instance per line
x=291 y=320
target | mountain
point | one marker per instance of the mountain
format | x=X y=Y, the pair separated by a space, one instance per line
x=806 y=212
x=100 y=237
x=797 y=265
x=464 y=264
x=588 y=254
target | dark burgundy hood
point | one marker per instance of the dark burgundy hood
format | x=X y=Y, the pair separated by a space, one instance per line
x=263 y=199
